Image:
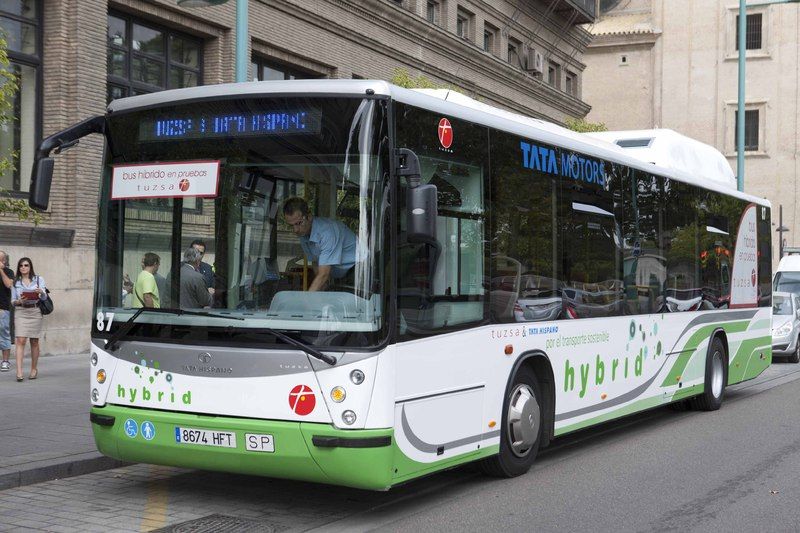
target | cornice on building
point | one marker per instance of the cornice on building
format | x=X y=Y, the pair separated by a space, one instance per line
x=447 y=45
x=634 y=39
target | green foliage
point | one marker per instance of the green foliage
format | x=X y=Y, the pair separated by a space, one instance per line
x=581 y=125
x=402 y=78
x=8 y=87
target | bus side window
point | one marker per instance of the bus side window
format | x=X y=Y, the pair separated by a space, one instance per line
x=590 y=212
x=524 y=236
x=442 y=285
x=684 y=290
x=645 y=265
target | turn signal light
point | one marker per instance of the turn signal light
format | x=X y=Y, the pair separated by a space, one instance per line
x=338 y=394
x=509 y=349
x=101 y=376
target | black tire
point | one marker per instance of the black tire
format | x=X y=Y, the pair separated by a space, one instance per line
x=795 y=357
x=517 y=449
x=716 y=378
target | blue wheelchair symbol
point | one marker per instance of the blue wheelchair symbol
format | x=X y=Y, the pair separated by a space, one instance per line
x=148 y=430
x=131 y=429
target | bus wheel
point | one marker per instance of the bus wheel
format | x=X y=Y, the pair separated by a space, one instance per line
x=795 y=357
x=716 y=378
x=521 y=430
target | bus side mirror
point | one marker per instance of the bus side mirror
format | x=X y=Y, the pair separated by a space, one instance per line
x=421 y=200
x=42 y=173
x=40 y=183
x=422 y=212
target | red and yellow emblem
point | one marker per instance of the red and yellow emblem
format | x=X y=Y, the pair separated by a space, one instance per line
x=302 y=400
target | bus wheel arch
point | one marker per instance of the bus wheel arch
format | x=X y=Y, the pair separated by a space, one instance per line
x=529 y=392
x=716 y=373
x=539 y=363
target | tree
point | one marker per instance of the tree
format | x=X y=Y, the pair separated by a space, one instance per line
x=402 y=78
x=8 y=87
x=581 y=125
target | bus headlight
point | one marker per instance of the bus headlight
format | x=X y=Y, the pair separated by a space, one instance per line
x=357 y=377
x=94 y=359
x=95 y=395
x=349 y=418
x=101 y=376
x=338 y=394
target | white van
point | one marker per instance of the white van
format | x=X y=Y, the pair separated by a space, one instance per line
x=787 y=277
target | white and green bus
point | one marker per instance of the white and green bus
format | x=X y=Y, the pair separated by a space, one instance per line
x=514 y=282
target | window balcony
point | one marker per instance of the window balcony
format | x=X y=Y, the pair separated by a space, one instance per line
x=579 y=11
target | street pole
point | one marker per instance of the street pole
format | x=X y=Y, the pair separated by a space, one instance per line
x=241 y=60
x=740 y=113
x=741 y=101
x=241 y=40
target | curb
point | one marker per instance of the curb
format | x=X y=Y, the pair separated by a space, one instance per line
x=40 y=471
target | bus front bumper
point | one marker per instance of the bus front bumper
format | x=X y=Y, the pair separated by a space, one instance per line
x=303 y=451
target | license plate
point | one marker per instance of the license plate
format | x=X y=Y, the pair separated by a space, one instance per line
x=259 y=443
x=205 y=437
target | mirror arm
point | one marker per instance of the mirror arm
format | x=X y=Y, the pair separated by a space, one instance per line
x=407 y=165
x=70 y=136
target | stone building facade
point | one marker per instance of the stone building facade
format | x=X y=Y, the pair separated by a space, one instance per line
x=74 y=56
x=674 y=64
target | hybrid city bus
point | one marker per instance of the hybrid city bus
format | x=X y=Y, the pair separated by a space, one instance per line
x=513 y=282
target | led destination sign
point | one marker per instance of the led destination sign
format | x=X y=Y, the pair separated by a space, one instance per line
x=205 y=126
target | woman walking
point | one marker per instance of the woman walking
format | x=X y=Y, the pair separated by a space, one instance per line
x=28 y=290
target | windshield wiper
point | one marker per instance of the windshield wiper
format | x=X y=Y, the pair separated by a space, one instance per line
x=111 y=343
x=310 y=350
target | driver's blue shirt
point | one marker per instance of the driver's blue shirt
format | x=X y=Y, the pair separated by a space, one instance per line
x=330 y=243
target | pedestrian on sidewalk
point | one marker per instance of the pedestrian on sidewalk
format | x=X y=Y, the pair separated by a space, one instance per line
x=28 y=290
x=6 y=282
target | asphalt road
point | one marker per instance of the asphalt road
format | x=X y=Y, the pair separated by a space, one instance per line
x=736 y=469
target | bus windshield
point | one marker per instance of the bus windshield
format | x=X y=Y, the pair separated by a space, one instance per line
x=215 y=177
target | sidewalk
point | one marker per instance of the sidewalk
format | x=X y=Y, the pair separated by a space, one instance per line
x=45 y=431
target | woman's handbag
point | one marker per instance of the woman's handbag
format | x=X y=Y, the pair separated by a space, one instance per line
x=45 y=306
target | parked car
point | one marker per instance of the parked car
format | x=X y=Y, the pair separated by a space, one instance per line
x=787 y=277
x=786 y=325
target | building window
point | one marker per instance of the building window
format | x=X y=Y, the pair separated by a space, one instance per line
x=554 y=74
x=753 y=34
x=489 y=38
x=265 y=70
x=571 y=83
x=432 y=12
x=514 y=48
x=144 y=58
x=464 y=24
x=751 y=127
x=21 y=22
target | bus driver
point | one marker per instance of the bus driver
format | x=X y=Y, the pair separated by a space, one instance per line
x=328 y=244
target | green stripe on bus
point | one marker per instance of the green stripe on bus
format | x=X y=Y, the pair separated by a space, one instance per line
x=747 y=363
x=634 y=407
x=694 y=341
x=765 y=324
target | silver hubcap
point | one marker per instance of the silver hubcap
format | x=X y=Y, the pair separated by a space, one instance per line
x=523 y=420
x=717 y=374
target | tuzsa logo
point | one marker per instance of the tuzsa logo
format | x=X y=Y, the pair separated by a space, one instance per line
x=302 y=400
x=445 y=133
